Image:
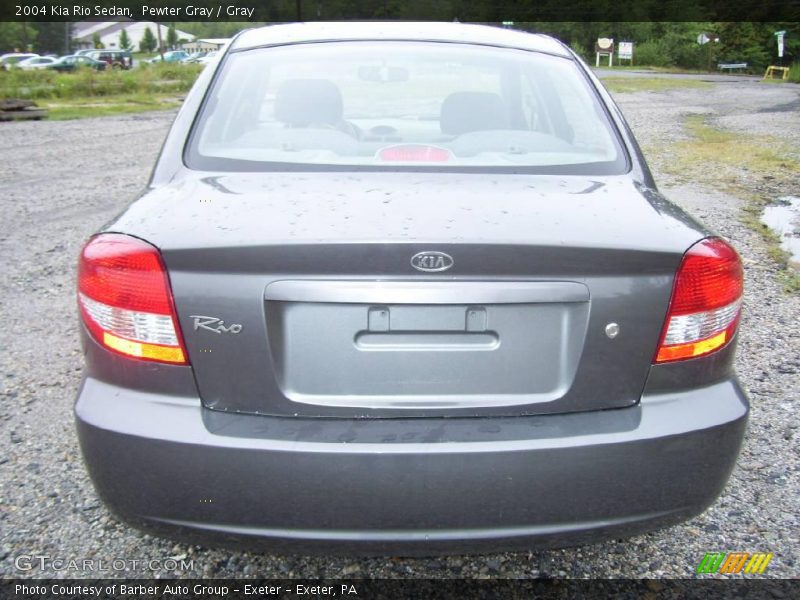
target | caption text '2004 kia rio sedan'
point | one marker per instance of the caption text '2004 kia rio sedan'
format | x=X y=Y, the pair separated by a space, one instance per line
x=405 y=289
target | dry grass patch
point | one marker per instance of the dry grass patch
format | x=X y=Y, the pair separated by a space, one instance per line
x=62 y=110
x=737 y=163
x=623 y=85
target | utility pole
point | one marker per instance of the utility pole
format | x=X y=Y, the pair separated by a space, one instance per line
x=160 y=47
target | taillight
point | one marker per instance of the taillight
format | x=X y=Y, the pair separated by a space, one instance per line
x=415 y=153
x=706 y=300
x=125 y=299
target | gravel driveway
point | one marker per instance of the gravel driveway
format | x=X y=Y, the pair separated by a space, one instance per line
x=60 y=181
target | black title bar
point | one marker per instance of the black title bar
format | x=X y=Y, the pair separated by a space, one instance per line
x=427 y=10
x=394 y=589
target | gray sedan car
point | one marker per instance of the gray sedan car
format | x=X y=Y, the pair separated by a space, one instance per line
x=406 y=289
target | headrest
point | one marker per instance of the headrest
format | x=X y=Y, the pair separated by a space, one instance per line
x=302 y=102
x=463 y=112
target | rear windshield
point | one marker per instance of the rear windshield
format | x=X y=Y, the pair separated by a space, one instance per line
x=386 y=105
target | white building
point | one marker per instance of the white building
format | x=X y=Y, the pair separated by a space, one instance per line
x=83 y=33
x=205 y=44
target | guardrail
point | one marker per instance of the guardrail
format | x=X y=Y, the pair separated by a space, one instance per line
x=732 y=66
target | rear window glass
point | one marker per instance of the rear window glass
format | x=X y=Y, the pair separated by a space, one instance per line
x=402 y=105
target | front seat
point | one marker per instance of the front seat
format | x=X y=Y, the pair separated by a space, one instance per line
x=314 y=103
x=307 y=102
x=464 y=112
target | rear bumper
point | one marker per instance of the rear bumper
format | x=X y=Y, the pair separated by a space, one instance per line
x=416 y=486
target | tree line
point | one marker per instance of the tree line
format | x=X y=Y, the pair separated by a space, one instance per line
x=667 y=44
x=56 y=38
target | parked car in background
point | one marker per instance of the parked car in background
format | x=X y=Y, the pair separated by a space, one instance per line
x=73 y=62
x=202 y=58
x=8 y=61
x=172 y=56
x=431 y=302
x=194 y=57
x=207 y=58
x=36 y=62
x=84 y=51
x=116 y=59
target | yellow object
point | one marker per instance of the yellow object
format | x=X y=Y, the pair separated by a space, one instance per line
x=772 y=71
x=758 y=562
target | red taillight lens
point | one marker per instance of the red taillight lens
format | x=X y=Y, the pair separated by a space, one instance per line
x=125 y=299
x=706 y=300
x=414 y=153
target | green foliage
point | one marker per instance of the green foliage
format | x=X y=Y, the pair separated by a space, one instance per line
x=682 y=49
x=38 y=37
x=124 y=40
x=51 y=37
x=791 y=43
x=172 y=37
x=652 y=53
x=96 y=43
x=662 y=44
x=694 y=56
x=582 y=51
x=15 y=36
x=666 y=44
x=46 y=83
x=148 y=43
x=745 y=42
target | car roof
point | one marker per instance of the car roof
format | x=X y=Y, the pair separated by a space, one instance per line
x=439 y=32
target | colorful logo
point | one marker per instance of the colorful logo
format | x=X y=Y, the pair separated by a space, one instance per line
x=734 y=562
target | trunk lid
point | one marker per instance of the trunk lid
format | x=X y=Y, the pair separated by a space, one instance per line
x=297 y=294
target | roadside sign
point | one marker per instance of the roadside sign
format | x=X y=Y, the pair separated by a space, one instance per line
x=780 y=35
x=626 y=50
x=604 y=47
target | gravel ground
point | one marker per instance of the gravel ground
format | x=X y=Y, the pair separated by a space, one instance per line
x=60 y=181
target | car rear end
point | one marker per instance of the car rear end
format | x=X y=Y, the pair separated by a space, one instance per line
x=113 y=59
x=400 y=359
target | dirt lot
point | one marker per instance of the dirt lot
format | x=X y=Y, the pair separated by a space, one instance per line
x=60 y=181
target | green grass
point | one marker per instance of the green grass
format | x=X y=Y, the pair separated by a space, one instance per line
x=791 y=281
x=717 y=158
x=87 y=83
x=621 y=85
x=650 y=68
x=62 y=110
x=763 y=154
x=89 y=93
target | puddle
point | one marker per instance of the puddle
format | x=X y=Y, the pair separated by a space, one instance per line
x=784 y=219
